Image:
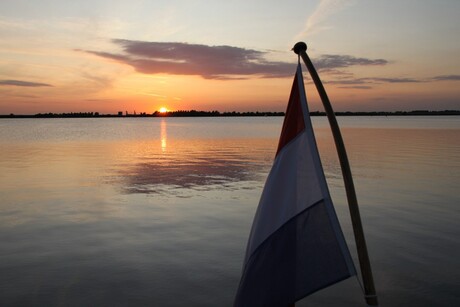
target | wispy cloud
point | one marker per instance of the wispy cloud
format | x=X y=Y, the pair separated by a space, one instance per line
x=379 y=80
x=358 y=87
x=322 y=12
x=155 y=95
x=330 y=61
x=368 y=82
x=365 y=83
x=346 y=81
x=393 y=80
x=23 y=83
x=96 y=80
x=447 y=78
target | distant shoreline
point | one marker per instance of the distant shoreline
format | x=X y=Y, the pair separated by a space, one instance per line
x=194 y=113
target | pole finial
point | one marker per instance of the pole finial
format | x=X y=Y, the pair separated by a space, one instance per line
x=299 y=47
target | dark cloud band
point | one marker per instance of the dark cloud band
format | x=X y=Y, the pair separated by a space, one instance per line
x=214 y=62
x=447 y=78
x=210 y=62
x=23 y=83
x=330 y=61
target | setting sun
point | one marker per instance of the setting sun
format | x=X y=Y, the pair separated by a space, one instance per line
x=163 y=110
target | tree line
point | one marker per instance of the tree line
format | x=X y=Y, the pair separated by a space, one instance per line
x=195 y=113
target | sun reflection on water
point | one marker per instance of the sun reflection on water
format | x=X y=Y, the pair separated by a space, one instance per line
x=189 y=164
x=163 y=135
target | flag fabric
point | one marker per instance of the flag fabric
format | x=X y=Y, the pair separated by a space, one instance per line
x=296 y=245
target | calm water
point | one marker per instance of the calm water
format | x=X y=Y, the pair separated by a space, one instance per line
x=156 y=212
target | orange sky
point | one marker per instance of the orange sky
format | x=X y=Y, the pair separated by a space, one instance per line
x=110 y=56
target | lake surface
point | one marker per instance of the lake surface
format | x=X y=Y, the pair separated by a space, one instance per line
x=157 y=211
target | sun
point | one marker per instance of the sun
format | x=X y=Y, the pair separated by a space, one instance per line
x=163 y=110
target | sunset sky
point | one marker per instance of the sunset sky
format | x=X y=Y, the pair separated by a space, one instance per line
x=140 y=55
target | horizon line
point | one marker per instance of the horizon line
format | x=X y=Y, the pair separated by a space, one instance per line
x=215 y=113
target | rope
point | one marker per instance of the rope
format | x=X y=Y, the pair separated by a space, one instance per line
x=360 y=285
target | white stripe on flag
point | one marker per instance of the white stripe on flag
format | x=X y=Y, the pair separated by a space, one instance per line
x=296 y=246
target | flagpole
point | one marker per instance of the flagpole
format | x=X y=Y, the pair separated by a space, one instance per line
x=369 y=289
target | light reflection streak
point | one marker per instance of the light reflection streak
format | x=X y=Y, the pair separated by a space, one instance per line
x=163 y=134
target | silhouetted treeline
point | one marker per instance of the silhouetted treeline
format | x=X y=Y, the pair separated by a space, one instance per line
x=195 y=113
x=72 y=114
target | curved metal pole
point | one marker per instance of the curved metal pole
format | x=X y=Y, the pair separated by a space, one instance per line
x=365 y=265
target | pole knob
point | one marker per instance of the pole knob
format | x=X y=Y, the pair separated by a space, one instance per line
x=299 y=47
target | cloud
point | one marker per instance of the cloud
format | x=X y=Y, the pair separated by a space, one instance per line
x=447 y=78
x=359 y=81
x=323 y=10
x=337 y=72
x=23 y=83
x=392 y=80
x=331 y=61
x=97 y=81
x=346 y=81
x=210 y=62
x=378 y=80
x=359 y=87
x=214 y=62
x=368 y=82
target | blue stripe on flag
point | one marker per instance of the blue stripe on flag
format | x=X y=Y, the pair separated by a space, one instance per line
x=301 y=257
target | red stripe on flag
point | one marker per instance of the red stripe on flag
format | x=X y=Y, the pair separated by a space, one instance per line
x=293 y=120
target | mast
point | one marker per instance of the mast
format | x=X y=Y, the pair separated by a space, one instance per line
x=369 y=289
